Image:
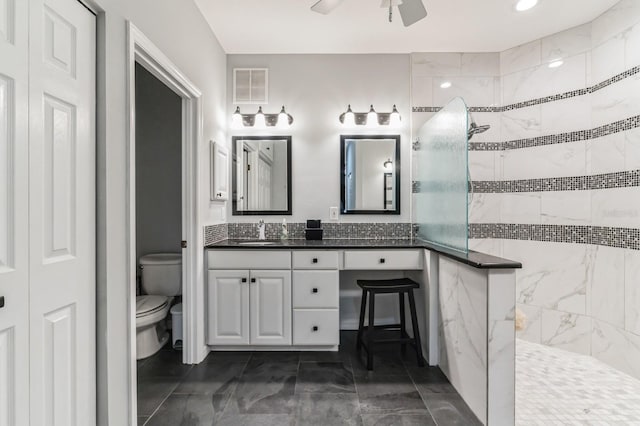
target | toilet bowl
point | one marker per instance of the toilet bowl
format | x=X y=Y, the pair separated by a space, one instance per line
x=151 y=332
x=161 y=280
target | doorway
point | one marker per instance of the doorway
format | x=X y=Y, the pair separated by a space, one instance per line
x=147 y=58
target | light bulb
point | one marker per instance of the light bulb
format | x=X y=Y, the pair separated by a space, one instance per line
x=236 y=119
x=556 y=63
x=349 y=118
x=523 y=5
x=394 y=118
x=283 y=119
x=372 y=118
x=260 y=121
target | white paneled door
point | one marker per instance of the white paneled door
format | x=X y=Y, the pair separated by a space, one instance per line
x=14 y=227
x=47 y=213
x=62 y=213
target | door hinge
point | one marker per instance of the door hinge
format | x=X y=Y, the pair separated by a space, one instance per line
x=248 y=167
x=183 y=244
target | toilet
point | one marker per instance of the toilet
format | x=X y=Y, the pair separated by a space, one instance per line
x=161 y=281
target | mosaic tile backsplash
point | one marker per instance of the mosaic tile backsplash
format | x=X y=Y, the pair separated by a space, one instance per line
x=332 y=231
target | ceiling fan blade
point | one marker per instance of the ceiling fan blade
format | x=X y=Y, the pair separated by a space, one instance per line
x=325 y=6
x=412 y=11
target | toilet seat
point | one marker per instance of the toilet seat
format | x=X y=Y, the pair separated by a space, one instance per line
x=150 y=304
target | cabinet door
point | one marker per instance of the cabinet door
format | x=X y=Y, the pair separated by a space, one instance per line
x=270 y=296
x=228 y=304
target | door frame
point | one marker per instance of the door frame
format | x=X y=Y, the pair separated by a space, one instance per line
x=141 y=50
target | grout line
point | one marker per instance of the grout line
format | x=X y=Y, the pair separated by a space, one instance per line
x=163 y=401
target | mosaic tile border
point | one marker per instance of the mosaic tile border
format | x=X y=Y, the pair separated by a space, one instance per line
x=627 y=238
x=624 y=125
x=539 y=101
x=215 y=233
x=332 y=230
x=625 y=179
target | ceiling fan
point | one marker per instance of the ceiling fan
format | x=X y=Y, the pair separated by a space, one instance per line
x=411 y=11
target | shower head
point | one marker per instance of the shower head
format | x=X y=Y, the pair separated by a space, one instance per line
x=475 y=129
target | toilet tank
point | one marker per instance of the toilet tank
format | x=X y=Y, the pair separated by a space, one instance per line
x=162 y=273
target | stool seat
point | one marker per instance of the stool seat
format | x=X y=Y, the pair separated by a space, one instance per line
x=393 y=284
x=366 y=334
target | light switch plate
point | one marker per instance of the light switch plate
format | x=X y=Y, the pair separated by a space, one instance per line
x=333 y=213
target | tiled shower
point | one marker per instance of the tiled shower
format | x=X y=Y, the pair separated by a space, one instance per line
x=556 y=179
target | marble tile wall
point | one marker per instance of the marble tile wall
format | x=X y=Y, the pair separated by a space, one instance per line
x=555 y=178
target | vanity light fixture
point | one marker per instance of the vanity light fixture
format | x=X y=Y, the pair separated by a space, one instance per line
x=523 y=5
x=395 y=119
x=555 y=64
x=260 y=120
x=371 y=118
x=283 y=118
x=236 y=119
x=445 y=85
x=348 y=118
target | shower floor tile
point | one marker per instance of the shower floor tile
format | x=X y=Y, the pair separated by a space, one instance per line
x=555 y=387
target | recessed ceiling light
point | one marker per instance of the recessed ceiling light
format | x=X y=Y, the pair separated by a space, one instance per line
x=523 y=5
x=556 y=64
x=445 y=85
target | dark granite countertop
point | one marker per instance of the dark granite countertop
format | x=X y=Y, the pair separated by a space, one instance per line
x=475 y=259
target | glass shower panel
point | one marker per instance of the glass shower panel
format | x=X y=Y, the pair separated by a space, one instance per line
x=441 y=169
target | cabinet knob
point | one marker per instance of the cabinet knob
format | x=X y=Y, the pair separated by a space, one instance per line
x=315 y=260
x=382 y=260
x=1 y=301
x=315 y=328
x=253 y=280
x=244 y=280
x=314 y=290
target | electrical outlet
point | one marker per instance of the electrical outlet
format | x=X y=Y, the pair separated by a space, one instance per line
x=333 y=213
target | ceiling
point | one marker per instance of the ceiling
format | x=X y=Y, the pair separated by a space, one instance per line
x=361 y=26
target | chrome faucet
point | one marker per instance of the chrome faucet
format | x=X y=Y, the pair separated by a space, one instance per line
x=261 y=228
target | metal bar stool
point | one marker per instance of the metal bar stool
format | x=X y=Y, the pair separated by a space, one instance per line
x=400 y=286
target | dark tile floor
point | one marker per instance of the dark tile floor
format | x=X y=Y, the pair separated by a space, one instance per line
x=297 y=388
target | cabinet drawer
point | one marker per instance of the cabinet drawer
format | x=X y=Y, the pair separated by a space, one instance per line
x=248 y=259
x=316 y=327
x=383 y=259
x=316 y=289
x=315 y=259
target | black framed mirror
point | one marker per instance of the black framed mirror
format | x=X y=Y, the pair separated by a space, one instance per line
x=261 y=175
x=370 y=174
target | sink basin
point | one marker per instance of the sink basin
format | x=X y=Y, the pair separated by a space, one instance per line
x=256 y=243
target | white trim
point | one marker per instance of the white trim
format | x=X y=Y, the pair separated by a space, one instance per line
x=141 y=50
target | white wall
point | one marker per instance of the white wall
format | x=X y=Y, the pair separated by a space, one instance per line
x=316 y=89
x=180 y=31
x=158 y=166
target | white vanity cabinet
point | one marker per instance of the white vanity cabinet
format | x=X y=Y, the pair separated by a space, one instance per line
x=246 y=305
x=283 y=297
x=316 y=288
